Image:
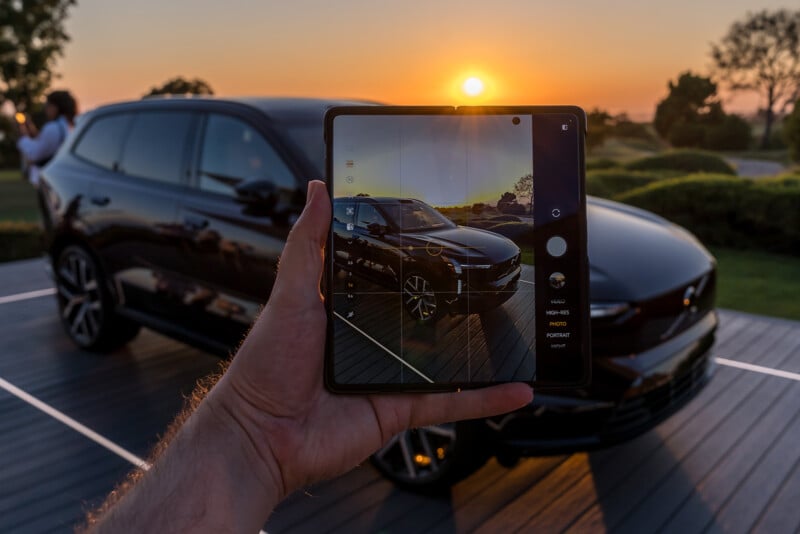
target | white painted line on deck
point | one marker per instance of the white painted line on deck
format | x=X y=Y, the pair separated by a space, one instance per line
x=525 y=282
x=28 y=295
x=73 y=424
x=392 y=354
x=759 y=369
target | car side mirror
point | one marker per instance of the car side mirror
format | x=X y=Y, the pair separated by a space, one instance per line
x=377 y=229
x=257 y=192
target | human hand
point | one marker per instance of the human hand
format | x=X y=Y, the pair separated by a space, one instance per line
x=23 y=129
x=273 y=393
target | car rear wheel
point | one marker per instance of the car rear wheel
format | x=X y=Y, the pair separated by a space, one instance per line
x=419 y=298
x=86 y=305
x=433 y=458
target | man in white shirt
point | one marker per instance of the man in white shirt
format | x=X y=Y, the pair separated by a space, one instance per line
x=38 y=148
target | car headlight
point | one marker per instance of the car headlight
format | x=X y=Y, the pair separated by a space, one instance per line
x=454 y=265
x=608 y=310
x=458 y=267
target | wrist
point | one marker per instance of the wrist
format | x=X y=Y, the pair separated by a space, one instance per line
x=247 y=428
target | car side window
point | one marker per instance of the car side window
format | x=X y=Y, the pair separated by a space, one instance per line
x=156 y=145
x=101 y=142
x=367 y=214
x=233 y=152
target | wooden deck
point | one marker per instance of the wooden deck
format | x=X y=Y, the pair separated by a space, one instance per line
x=727 y=462
x=383 y=344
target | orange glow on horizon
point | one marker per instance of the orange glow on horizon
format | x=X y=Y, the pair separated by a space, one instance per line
x=525 y=53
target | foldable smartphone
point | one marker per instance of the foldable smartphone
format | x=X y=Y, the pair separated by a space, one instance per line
x=457 y=250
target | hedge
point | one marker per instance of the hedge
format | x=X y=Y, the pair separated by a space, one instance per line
x=601 y=163
x=20 y=240
x=687 y=161
x=610 y=183
x=728 y=211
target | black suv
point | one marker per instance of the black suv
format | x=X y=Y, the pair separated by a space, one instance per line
x=171 y=213
x=406 y=245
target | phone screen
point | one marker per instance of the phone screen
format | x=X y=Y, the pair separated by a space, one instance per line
x=433 y=271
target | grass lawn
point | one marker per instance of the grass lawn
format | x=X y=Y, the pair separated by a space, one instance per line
x=758 y=282
x=17 y=198
x=527 y=256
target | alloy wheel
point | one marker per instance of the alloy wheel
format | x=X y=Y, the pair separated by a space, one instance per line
x=79 y=296
x=419 y=298
x=418 y=456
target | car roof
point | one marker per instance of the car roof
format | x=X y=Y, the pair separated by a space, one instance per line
x=292 y=109
x=376 y=200
x=278 y=109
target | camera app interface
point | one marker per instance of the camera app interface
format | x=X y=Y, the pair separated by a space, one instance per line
x=433 y=264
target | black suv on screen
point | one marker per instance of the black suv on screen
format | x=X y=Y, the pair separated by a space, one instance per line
x=406 y=245
x=171 y=213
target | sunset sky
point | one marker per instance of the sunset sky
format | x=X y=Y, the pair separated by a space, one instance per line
x=614 y=54
x=444 y=161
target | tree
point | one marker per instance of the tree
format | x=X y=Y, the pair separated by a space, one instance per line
x=182 y=86
x=791 y=131
x=32 y=38
x=524 y=187
x=598 y=122
x=762 y=53
x=688 y=101
x=508 y=204
x=692 y=116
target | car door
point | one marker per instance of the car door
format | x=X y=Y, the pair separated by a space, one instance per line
x=236 y=219
x=377 y=259
x=134 y=205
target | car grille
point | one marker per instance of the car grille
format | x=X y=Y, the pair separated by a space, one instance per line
x=477 y=279
x=653 y=406
x=502 y=269
x=653 y=321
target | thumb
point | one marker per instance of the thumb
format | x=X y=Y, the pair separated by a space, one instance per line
x=300 y=265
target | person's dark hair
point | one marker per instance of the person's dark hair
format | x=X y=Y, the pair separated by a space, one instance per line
x=65 y=104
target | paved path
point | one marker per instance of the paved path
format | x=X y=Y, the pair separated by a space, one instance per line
x=754 y=168
x=729 y=461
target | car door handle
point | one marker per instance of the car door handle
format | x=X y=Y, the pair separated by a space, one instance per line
x=100 y=201
x=195 y=223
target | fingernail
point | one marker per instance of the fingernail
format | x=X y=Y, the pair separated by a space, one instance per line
x=310 y=192
x=314 y=188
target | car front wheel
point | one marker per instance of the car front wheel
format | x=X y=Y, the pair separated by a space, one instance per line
x=86 y=305
x=419 y=298
x=433 y=458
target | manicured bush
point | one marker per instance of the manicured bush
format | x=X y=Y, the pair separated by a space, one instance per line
x=20 y=240
x=601 y=163
x=609 y=183
x=519 y=232
x=683 y=160
x=687 y=135
x=728 y=211
x=733 y=133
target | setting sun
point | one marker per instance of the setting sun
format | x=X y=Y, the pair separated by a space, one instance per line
x=472 y=86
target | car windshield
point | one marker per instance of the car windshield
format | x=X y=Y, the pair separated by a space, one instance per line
x=414 y=216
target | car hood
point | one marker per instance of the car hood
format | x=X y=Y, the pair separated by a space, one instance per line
x=635 y=255
x=462 y=241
